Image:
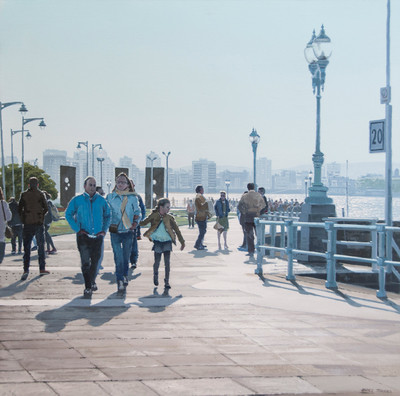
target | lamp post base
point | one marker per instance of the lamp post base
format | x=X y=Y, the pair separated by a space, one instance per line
x=312 y=239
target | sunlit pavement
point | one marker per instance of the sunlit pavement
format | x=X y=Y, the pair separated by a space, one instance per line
x=221 y=330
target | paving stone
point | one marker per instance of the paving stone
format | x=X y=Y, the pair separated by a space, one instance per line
x=81 y=388
x=392 y=382
x=209 y=371
x=193 y=360
x=27 y=389
x=126 y=388
x=15 y=376
x=139 y=373
x=57 y=375
x=198 y=387
x=129 y=361
x=32 y=363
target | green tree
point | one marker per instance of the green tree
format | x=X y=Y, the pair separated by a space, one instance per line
x=45 y=182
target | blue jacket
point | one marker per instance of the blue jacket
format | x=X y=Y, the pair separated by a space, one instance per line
x=89 y=214
x=141 y=205
x=218 y=208
x=132 y=209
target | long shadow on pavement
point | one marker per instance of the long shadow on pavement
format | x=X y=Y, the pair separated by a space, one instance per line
x=79 y=308
x=17 y=287
x=157 y=303
x=202 y=253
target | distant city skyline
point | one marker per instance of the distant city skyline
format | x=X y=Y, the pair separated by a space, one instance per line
x=194 y=77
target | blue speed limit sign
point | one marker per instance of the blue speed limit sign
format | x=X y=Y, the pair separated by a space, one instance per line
x=377 y=136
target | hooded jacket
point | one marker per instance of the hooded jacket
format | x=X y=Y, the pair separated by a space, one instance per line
x=172 y=228
x=32 y=206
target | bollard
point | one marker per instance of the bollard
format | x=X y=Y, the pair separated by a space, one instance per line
x=330 y=256
x=260 y=231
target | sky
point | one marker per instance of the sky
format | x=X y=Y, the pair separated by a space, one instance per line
x=194 y=78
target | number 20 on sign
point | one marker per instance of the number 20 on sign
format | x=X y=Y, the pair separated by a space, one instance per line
x=377 y=136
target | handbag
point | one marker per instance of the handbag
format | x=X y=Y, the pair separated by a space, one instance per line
x=8 y=231
x=218 y=227
x=113 y=229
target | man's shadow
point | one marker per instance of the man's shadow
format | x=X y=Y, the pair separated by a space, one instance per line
x=202 y=253
x=16 y=287
x=76 y=280
x=79 y=308
x=110 y=277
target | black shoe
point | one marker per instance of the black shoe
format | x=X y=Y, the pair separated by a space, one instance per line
x=34 y=248
x=87 y=293
x=24 y=276
x=94 y=287
x=155 y=280
x=133 y=266
x=13 y=252
x=167 y=286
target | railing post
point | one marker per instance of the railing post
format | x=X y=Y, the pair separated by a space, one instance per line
x=330 y=256
x=374 y=247
x=260 y=232
x=273 y=238
x=381 y=293
x=289 y=249
x=283 y=237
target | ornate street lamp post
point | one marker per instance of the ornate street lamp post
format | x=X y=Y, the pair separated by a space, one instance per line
x=227 y=184
x=86 y=144
x=93 y=147
x=166 y=158
x=28 y=136
x=42 y=125
x=151 y=159
x=317 y=53
x=109 y=186
x=254 y=138
x=3 y=106
x=101 y=158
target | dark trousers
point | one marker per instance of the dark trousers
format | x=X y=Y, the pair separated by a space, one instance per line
x=135 y=249
x=90 y=251
x=202 y=231
x=49 y=239
x=191 y=219
x=249 y=228
x=30 y=231
x=156 y=265
x=2 y=251
x=17 y=233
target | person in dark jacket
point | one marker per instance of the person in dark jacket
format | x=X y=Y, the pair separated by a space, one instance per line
x=221 y=211
x=16 y=225
x=32 y=208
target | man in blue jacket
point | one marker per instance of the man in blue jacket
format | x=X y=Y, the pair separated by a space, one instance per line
x=88 y=214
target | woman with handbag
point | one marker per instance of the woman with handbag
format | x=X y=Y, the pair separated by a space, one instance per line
x=5 y=217
x=125 y=216
x=221 y=211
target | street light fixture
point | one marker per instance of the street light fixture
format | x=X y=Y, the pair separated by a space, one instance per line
x=254 y=138
x=151 y=159
x=3 y=106
x=23 y=110
x=101 y=158
x=317 y=53
x=86 y=144
x=109 y=186
x=227 y=184
x=93 y=147
x=166 y=158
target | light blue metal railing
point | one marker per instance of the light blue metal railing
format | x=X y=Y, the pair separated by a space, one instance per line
x=288 y=245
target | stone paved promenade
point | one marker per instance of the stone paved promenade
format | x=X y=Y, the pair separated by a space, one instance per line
x=221 y=330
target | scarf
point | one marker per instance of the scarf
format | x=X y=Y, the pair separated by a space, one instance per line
x=125 y=219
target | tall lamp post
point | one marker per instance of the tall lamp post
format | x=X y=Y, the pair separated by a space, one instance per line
x=317 y=53
x=109 y=186
x=317 y=205
x=166 y=158
x=151 y=159
x=93 y=147
x=100 y=158
x=227 y=184
x=25 y=121
x=86 y=144
x=28 y=136
x=3 y=106
x=254 y=140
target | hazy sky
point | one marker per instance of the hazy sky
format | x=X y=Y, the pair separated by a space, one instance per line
x=194 y=77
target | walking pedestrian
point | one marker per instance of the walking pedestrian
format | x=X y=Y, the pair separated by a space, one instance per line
x=32 y=208
x=136 y=235
x=88 y=214
x=162 y=232
x=16 y=225
x=48 y=219
x=125 y=216
x=5 y=217
x=201 y=216
x=221 y=211
x=250 y=206
x=190 y=209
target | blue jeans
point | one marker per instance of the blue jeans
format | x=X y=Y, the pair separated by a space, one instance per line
x=90 y=251
x=202 y=231
x=29 y=232
x=122 y=245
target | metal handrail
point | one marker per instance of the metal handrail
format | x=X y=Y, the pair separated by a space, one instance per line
x=379 y=259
